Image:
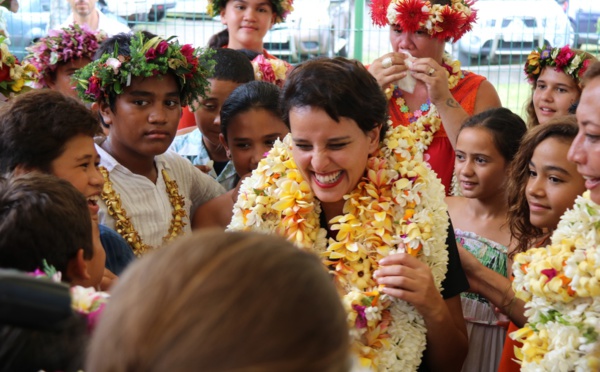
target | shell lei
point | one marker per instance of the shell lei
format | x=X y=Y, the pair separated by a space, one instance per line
x=560 y=283
x=397 y=206
x=123 y=224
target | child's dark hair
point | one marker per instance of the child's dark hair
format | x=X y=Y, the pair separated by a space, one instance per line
x=562 y=128
x=339 y=86
x=42 y=217
x=232 y=65
x=219 y=40
x=507 y=129
x=252 y=95
x=121 y=43
x=35 y=126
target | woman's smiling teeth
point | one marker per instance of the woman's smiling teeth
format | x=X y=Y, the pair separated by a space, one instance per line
x=328 y=178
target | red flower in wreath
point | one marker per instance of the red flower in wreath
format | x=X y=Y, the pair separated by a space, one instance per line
x=412 y=13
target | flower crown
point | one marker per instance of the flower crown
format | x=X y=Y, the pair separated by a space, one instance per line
x=72 y=42
x=441 y=21
x=270 y=70
x=562 y=59
x=282 y=8
x=112 y=73
x=13 y=75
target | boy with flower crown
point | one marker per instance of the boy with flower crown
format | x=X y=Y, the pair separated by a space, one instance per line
x=139 y=84
x=60 y=54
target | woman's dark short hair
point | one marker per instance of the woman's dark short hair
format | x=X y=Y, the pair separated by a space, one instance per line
x=339 y=86
x=252 y=95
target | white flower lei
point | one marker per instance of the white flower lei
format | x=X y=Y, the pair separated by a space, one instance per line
x=400 y=200
x=561 y=284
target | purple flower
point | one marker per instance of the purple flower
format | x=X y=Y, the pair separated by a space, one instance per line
x=361 y=318
x=150 y=54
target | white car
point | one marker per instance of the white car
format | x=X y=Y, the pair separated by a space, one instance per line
x=308 y=31
x=509 y=27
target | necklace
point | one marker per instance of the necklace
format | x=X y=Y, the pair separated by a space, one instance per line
x=560 y=284
x=426 y=121
x=398 y=206
x=123 y=224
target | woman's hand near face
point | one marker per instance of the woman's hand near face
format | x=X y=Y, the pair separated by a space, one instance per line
x=388 y=68
x=428 y=71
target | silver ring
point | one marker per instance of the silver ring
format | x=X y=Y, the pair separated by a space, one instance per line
x=431 y=71
x=386 y=62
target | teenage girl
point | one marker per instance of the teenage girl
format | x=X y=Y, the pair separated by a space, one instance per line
x=555 y=78
x=250 y=123
x=541 y=186
x=485 y=148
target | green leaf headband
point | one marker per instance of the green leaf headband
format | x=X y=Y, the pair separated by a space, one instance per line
x=112 y=72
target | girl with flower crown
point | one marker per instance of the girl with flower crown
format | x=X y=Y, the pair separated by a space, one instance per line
x=542 y=185
x=427 y=90
x=359 y=195
x=247 y=24
x=485 y=147
x=555 y=78
x=58 y=55
x=140 y=82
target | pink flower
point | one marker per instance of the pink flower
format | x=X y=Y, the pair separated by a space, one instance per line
x=162 y=47
x=188 y=52
x=265 y=68
x=563 y=57
x=93 y=89
x=150 y=54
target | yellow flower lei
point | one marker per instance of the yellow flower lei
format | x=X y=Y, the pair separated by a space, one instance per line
x=561 y=284
x=398 y=203
x=123 y=224
x=427 y=125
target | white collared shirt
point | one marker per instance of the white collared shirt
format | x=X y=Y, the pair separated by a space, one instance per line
x=107 y=24
x=147 y=204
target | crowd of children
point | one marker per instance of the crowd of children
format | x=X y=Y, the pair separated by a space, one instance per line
x=96 y=172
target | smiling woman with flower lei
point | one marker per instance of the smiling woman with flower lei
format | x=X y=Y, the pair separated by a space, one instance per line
x=360 y=196
x=555 y=78
x=427 y=91
x=560 y=282
x=140 y=82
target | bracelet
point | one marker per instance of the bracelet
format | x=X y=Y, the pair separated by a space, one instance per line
x=511 y=305
x=505 y=296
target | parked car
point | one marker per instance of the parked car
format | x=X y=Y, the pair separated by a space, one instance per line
x=27 y=25
x=514 y=27
x=308 y=31
x=584 y=15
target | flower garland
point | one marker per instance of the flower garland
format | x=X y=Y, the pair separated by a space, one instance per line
x=61 y=46
x=562 y=59
x=13 y=75
x=397 y=206
x=281 y=8
x=123 y=223
x=561 y=284
x=426 y=125
x=85 y=301
x=112 y=73
x=444 y=22
x=272 y=70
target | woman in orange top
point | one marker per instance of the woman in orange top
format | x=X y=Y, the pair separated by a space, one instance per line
x=426 y=88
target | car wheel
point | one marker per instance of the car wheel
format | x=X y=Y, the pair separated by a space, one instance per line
x=156 y=15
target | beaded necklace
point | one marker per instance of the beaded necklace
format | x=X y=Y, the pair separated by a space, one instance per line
x=123 y=223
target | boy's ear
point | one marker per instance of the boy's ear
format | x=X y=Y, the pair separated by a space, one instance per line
x=105 y=112
x=224 y=143
x=77 y=269
x=223 y=20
